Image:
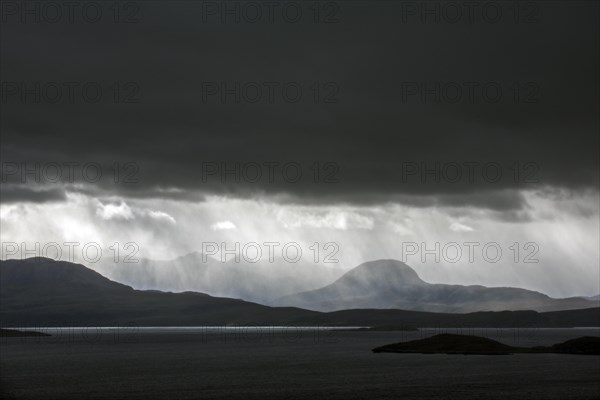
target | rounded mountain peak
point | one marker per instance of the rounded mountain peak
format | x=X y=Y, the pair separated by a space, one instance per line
x=392 y=273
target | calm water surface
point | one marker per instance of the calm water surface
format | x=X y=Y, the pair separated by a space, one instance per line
x=284 y=362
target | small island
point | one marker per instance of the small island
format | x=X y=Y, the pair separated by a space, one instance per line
x=17 y=333
x=466 y=344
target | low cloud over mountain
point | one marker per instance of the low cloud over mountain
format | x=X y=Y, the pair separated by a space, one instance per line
x=259 y=282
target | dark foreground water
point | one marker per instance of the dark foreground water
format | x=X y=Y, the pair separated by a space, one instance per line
x=292 y=363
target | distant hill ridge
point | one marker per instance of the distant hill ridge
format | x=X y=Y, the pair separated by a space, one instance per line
x=393 y=284
x=43 y=292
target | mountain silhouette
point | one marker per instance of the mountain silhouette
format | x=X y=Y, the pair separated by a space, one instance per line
x=43 y=292
x=386 y=284
x=39 y=275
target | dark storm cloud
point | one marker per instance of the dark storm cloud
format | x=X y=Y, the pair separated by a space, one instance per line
x=375 y=143
x=18 y=194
